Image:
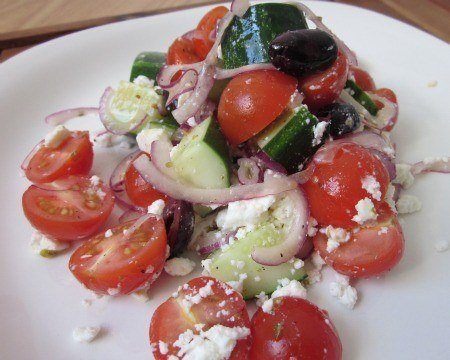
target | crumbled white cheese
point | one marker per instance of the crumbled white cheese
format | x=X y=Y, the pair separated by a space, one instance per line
x=343 y=291
x=113 y=291
x=107 y=140
x=336 y=237
x=372 y=186
x=42 y=245
x=95 y=181
x=56 y=137
x=404 y=176
x=314 y=268
x=237 y=263
x=146 y=137
x=215 y=344
x=366 y=211
x=390 y=198
x=383 y=230
x=108 y=233
x=179 y=266
x=441 y=245
x=267 y=306
x=196 y=298
x=191 y=122
x=163 y=348
x=157 y=207
x=312 y=227
x=239 y=284
x=144 y=81
x=85 y=333
x=319 y=130
x=408 y=204
x=292 y=289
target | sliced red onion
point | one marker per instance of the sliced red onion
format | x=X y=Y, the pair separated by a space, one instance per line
x=248 y=172
x=387 y=162
x=26 y=161
x=161 y=158
x=317 y=20
x=213 y=241
x=205 y=111
x=296 y=100
x=229 y=73
x=61 y=117
x=439 y=165
x=186 y=83
x=267 y=163
x=306 y=249
x=117 y=127
x=303 y=176
x=295 y=235
x=129 y=215
x=165 y=75
x=182 y=191
x=239 y=7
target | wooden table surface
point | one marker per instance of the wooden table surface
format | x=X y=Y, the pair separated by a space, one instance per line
x=24 y=23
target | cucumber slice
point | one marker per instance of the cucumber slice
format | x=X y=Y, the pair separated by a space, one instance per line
x=259 y=277
x=361 y=96
x=167 y=123
x=246 y=40
x=148 y=64
x=202 y=157
x=289 y=140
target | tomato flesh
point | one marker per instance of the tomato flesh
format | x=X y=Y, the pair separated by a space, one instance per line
x=253 y=100
x=74 y=156
x=324 y=88
x=76 y=212
x=362 y=78
x=371 y=251
x=294 y=329
x=224 y=306
x=209 y=21
x=120 y=264
x=335 y=187
x=140 y=192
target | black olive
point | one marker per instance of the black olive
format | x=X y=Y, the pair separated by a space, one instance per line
x=303 y=52
x=343 y=118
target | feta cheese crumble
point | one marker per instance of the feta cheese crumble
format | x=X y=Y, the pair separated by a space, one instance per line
x=314 y=268
x=408 y=204
x=366 y=211
x=390 y=198
x=56 y=137
x=404 y=176
x=441 y=245
x=319 y=130
x=372 y=186
x=179 y=266
x=336 y=236
x=157 y=207
x=42 y=245
x=144 y=81
x=202 y=293
x=312 y=227
x=85 y=334
x=163 y=348
x=286 y=287
x=341 y=289
x=146 y=138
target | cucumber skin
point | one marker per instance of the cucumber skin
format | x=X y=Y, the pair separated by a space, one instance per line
x=361 y=96
x=246 y=40
x=147 y=63
x=292 y=145
x=215 y=139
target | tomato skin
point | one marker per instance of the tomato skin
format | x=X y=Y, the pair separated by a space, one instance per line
x=390 y=95
x=369 y=252
x=79 y=224
x=171 y=319
x=140 y=192
x=295 y=329
x=251 y=101
x=324 y=88
x=209 y=21
x=362 y=78
x=335 y=188
x=182 y=51
x=111 y=267
x=73 y=157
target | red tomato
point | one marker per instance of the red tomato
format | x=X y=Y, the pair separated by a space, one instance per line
x=324 y=88
x=140 y=192
x=251 y=101
x=182 y=51
x=202 y=42
x=370 y=252
x=295 y=329
x=335 y=187
x=118 y=264
x=73 y=157
x=390 y=95
x=223 y=306
x=70 y=209
x=362 y=78
x=212 y=17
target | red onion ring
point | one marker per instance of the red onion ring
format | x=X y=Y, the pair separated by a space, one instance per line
x=248 y=172
x=205 y=111
x=61 y=117
x=439 y=165
x=266 y=162
x=229 y=73
x=239 y=7
x=387 y=162
x=165 y=75
x=303 y=176
x=295 y=235
x=186 y=83
x=26 y=161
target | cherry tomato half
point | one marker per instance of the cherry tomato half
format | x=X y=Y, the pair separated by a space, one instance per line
x=251 y=101
x=294 y=329
x=209 y=21
x=70 y=209
x=222 y=305
x=182 y=51
x=74 y=156
x=362 y=78
x=371 y=251
x=119 y=263
x=390 y=95
x=324 y=88
x=335 y=187
x=140 y=192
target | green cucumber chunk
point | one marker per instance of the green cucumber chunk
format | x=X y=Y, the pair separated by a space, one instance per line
x=361 y=96
x=289 y=139
x=259 y=277
x=147 y=63
x=246 y=40
x=202 y=157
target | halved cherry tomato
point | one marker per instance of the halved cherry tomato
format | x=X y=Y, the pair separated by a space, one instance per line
x=119 y=263
x=202 y=42
x=69 y=209
x=335 y=187
x=140 y=192
x=294 y=329
x=323 y=88
x=222 y=305
x=371 y=251
x=182 y=51
x=73 y=157
x=209 y=21
x=251 y=101
x=390 y=95
x=362 y=78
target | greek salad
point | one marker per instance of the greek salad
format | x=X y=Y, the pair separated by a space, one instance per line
x=256 y=143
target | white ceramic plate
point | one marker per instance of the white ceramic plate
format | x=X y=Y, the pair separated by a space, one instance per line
x=405 y=315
